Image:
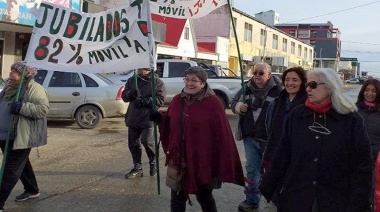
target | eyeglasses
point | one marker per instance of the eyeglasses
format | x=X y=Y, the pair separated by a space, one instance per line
x=191 y=80
x=260 y=73
x=313 y=84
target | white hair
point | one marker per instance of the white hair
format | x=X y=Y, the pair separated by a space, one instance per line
x=340 y=100
x=266 y=65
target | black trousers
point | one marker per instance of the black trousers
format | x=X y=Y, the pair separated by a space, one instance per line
x=17 y=166
x=138 y=137
x=204 y=197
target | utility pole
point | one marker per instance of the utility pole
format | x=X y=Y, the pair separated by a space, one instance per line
x=320 y=58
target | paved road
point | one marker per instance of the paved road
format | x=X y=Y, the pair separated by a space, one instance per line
x=83 y=170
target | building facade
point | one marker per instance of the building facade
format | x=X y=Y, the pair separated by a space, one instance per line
x=323 y=37
x=257 y=41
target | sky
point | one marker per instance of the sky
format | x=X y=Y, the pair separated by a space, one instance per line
x=358 y=22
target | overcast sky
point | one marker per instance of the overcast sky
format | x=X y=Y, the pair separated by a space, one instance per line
x=358 y=22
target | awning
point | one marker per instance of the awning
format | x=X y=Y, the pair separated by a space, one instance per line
x=13 y=27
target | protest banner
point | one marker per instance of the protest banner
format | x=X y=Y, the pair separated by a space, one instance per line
x=183 y=9
x=111 y=41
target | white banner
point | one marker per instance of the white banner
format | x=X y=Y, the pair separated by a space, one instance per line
x=112 y=41
x=182 y=9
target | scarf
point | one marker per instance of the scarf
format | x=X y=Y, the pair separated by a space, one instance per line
x=198 y=96
x=11 y=89
x=323 y=108
x=370 y=104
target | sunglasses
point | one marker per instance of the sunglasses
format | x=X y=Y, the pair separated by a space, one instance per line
x=313 y=84
x=260 y=73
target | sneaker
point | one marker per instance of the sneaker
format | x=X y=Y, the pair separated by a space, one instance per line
x=152 y=170
x=134 y=173
x=247 y=206
x=25 y=196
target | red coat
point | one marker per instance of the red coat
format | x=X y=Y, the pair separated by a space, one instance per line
x=377 y=183
x=210 y=149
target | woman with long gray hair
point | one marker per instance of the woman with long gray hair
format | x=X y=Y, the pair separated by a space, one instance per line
x=323 y=162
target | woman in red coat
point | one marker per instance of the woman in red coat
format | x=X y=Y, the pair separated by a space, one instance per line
x=377 y=183
x=197 y=139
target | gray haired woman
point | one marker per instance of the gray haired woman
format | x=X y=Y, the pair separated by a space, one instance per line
x=323 y=162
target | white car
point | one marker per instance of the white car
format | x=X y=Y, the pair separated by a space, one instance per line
x=353 y=81
x=85 y=97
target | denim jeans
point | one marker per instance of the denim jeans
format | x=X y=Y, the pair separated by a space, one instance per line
x=254 y=151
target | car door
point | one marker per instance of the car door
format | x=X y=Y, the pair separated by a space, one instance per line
x=67 y=91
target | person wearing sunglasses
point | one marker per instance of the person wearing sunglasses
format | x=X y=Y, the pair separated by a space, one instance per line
x=323 y=162
x=368 y=104
x=294 y=94
x=258 y=93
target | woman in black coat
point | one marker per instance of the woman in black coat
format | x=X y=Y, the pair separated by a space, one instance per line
x=323 y=162
x=369 y=107
x=294 y=94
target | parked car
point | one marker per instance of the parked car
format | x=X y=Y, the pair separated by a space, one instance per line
x=2 y=84
x=84 y=97
x=353 y=81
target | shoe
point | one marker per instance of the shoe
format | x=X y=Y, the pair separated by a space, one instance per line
x=134 y=173
x=247 y=206
x=152 y=170
x=25 y=196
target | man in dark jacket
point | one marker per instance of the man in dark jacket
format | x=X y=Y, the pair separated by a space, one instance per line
x=260 y=91
x=140 y=131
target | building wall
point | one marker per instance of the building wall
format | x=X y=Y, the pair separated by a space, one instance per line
x=249 y=50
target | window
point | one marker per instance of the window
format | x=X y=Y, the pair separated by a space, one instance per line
x=284 y=45
x=313 y=42
x=65 y=79
x=293 y=48
x=248 y=32
x=305 y=53
x=89 y=81
x=313 y=34
x=299 y=50
x=187 y=33
x=310 y=54
x=40 y=76
x=178 y=69
x=292 y=33
x=262 y=37
x=275 y=42
x=232 y=28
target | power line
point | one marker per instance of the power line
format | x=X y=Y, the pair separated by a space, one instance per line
x=373 y=44
x=338 y=11
x=364 y=52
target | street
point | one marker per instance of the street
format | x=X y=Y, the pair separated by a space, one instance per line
x=83 y=170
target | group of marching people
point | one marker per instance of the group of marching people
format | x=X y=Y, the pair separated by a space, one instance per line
x=307 y=146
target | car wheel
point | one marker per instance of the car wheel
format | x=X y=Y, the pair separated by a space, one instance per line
x=88 y=117
x=222 y=100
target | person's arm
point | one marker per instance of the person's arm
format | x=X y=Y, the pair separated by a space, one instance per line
x=279 y=163
x=37 y=105
x=130 y=93
x=361 y=168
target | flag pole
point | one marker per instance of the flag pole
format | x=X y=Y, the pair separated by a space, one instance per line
x=154 y=102
x=238 y=50
x=5 y=153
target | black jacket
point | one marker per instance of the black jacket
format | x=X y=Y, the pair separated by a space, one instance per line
x=334 y=169
x=371 y=116
x=277 y=113
x=258 y=101
x=137 y=115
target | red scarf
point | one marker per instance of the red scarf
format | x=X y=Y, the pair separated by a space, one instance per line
x=323 y=108
x=370 y=104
